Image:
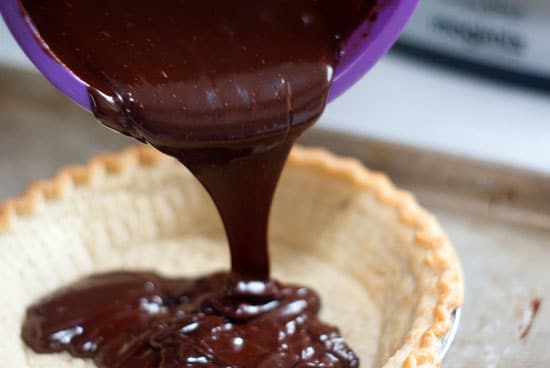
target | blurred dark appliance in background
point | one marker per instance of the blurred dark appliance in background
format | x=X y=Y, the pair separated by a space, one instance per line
x=504 y=39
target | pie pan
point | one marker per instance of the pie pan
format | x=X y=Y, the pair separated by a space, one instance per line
x=386 y=272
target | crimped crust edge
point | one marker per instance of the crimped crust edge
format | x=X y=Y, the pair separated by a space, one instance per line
x=441 y=257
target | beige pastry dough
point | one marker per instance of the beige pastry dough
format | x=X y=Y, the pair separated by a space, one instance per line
x=336 y=226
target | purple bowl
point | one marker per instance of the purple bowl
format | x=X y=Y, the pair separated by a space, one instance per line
x=360 y=52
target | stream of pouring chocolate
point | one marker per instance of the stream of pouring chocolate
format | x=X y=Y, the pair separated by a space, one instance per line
x=226 y=87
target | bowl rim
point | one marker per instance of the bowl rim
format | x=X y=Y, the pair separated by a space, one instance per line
x=360 y=53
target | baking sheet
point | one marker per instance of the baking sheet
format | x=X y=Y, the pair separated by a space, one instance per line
x=497 y=217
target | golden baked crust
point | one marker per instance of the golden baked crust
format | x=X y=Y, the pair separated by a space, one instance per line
x=425 y=277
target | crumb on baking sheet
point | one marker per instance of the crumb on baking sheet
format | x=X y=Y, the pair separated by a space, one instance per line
x=535 y=307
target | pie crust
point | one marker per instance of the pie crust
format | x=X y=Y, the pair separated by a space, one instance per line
x=336 y=226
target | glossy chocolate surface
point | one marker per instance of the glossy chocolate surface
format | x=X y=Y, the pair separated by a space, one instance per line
x=141 y=320
x=195 y=73
x=226 y=87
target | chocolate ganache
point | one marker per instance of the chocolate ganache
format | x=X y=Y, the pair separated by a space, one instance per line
x=225 y=87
